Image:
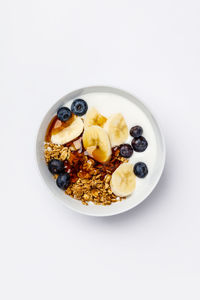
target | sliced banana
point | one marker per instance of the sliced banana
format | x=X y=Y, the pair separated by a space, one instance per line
x=123 y=180
x=117 y=129
x=96 y=143
x=93 y=117
x=69 y=133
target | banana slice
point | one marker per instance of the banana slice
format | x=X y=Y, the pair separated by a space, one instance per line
x=117 y=129
x=96 y=143
x=69 y=133
x=123 y=180
x=93 y=117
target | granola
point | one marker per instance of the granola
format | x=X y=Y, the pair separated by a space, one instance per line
x=90 y=180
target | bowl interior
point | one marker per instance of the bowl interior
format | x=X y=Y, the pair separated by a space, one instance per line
x=156 y=160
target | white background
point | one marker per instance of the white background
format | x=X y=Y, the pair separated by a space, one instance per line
x=149 y=48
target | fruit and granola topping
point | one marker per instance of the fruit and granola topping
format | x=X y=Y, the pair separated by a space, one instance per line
x=88 y=156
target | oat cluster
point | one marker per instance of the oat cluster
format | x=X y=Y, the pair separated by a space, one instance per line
x=53 y=151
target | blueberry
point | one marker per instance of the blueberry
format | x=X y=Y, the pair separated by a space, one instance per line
x=140 y=170
x=139 y=144
x=56 y=166
x=126 y=150
x=136 y=131
x=63 y=181
x=79 y=107
x=64 y=114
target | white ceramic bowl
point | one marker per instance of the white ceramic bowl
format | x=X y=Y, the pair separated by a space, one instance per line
x=155 y=160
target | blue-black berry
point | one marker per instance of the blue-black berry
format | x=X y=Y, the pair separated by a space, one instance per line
x=64 y=114
x=63 y=181
x=139 y=144
x=140 y=170
x=136 y=131
x=79 y=107
x=56 y=166
x=126 y=150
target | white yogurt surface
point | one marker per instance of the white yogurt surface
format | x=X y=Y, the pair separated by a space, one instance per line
x=107 y=104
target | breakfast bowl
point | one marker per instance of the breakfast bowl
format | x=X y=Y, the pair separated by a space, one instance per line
x=100 y=151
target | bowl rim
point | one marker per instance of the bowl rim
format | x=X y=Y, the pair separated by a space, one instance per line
x=109 y=89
